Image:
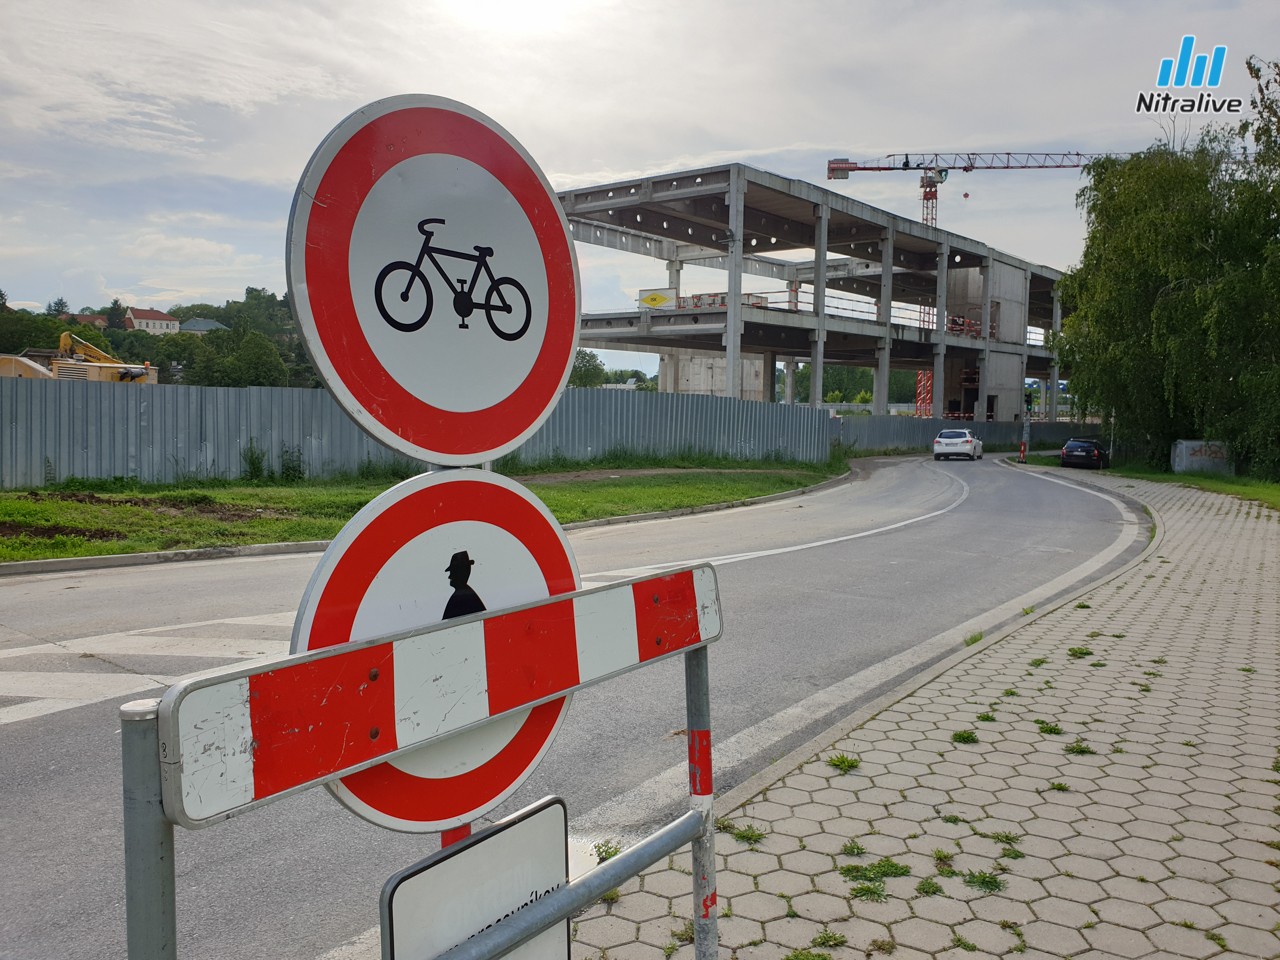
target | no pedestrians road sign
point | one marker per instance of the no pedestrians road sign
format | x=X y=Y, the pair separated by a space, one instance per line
x=433 y=273
x=437 y=547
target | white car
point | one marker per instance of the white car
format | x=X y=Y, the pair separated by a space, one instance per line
x=957 y=443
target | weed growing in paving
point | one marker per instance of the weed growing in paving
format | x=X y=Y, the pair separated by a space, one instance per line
x=964 y=736
x=1079 y=653
x=1078 y=747
x=1011 y=693
x=1048 y=728
x=956 y=818
x=928 y=887
x=1142 y=687
x=684 y=934
x=1217 y=938
x=973 y=638
x=1012 y=853
x=1098 y=663
x=843 y=763
x=1027 y=611
x=870 y=892
x=1060 y=787
x=606 y=850
x=875 y=872
x=1094 y=634
x=1152 y=673
x=987 y=717
x=1003 y=836
x=942 y=858
x=853 y=848
x=963 y=944
x=828 y=938
x=1082 y=605
x=750 y=834
x=1159 y=661
x=981 y=880
x=1038 y=662
x=807 y=955
x=1246 y=669
x=881 y=945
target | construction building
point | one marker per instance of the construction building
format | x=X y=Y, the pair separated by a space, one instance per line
x=832 y=281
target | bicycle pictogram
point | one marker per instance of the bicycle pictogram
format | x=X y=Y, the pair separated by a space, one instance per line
x=505 y=300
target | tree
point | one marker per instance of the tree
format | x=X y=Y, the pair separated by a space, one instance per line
x=588 y=370
x=1172 y=321
x=4 y=299
x=115 y=315
x=57 y=308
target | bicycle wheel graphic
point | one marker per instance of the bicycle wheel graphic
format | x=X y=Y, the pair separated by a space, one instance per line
x=508 y=300
x=403 y=296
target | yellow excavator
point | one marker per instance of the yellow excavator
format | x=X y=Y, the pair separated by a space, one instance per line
x=80 y=360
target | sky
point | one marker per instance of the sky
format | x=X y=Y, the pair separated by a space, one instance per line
x=150 y=150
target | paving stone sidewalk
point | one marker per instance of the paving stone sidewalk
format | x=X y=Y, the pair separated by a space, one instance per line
x=1099 y=783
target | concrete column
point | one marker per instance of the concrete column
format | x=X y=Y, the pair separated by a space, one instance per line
x=818 y=350
x=769 y=382
x=880 y=386
x=1054 y=370
x=733 y=321
x=673 y=275
x=980 y=408
x=940 y=333
x=788 y=381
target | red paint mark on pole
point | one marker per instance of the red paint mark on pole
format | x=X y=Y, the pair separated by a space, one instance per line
x=708 y=904
x=700 y=763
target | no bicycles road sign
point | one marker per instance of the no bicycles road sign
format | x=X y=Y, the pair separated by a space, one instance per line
x=436 y=547
x=433 y=273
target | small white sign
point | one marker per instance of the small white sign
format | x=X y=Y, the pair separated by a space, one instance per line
x=464 y=889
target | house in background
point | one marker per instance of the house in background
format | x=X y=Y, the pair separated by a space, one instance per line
x=152 y=321
x=89 y=319
x=201 y=325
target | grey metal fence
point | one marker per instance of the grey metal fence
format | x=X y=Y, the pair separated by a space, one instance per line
x=52 y=430
x=914 y=433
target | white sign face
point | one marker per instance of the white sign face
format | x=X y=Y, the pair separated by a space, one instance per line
x=433 y=273
x=436 y=547
x=466 y=888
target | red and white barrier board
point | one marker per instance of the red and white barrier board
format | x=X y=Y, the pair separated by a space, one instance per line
x=238 y=738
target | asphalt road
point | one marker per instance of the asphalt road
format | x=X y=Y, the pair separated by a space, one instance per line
x=829 y=599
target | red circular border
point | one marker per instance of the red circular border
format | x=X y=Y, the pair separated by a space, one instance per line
x=386 y=788
x=358 y=164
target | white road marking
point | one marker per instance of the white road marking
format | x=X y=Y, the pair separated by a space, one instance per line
x=54 y=691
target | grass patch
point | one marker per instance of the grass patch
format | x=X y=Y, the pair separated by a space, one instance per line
x=1079 y=653
x=1048 y=728
x=1078 y=747
x=1059 y=786
x=750 y=834
x=1246 y=488
x=852 y=848
x=987 y=717
x=1038 y=662
x=80 y=517
x=928 y=887
x=964 y=736
x=843 y=762
x=973 y=638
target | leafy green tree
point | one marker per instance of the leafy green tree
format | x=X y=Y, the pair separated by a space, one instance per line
x=4 y=299
x=588 y=370
x=57 y=308
x=1173 y=316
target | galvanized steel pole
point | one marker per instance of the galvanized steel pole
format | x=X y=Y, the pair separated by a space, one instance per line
x=697 y=693
x=149 y=889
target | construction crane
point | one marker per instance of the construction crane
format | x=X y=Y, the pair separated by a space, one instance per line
x=934 y=167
